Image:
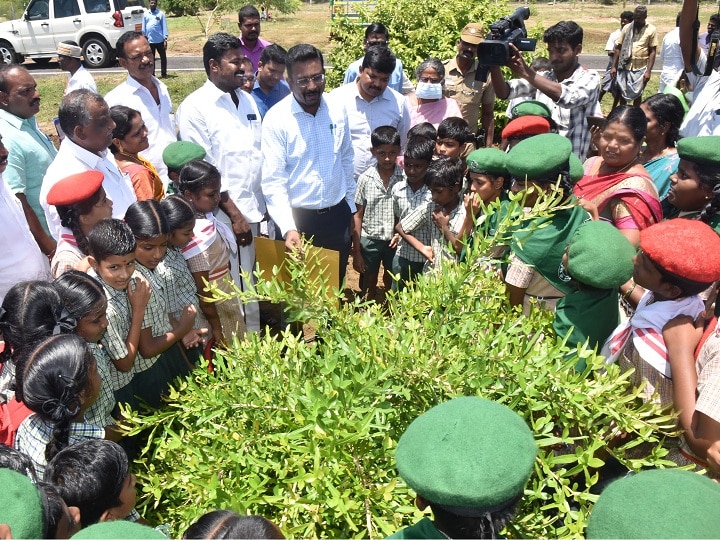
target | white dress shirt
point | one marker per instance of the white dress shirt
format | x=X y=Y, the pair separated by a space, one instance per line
x=158 y=118
x=307 y=160
x=81 y=79
x=231 y=137
x=388 y=109
x=73 y=159
x=671 y=56
x=703 y=118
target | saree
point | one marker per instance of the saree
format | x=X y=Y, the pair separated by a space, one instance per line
x=634 y=188
x=661 y=169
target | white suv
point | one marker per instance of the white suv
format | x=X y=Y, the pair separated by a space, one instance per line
x=94 y=24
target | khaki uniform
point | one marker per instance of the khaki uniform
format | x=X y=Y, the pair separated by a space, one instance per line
x=468 y=93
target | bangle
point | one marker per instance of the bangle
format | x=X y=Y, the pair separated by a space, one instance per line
x=627 y=293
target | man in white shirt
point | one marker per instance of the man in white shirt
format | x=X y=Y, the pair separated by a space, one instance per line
x=225 y=121
x=671 y=56
x=371 y=103
x=307 y=173
x=70 y=60
x=143 y=92
x=85 y=118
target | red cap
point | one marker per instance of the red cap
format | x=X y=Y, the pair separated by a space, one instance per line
x=75 y=188
x=685 y=247
x=525 y=126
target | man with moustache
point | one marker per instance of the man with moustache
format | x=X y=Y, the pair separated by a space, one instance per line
x=31 y=151
x=85 y=119
x=250 y=41
x=308 y=160
x=460 y=84
x=146 y=94
x=634 y=57
x=371 y=103
x=225 y=121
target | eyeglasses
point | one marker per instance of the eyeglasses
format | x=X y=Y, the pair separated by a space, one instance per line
x=430 y=80
x=305 y=81
x=248 y=78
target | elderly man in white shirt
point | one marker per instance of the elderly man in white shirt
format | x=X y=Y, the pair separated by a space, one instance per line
x=225 y=121
x=371 y=103
x=70 y=60
x=145 y=93
x=85 y=119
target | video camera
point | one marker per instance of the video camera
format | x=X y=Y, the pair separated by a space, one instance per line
x=495 y=50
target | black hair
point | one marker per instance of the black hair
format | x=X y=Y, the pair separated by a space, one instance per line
x=216 y=46
x=627 y=15
x=568 y=32
x=123 y=117
x=445 y=172
x=455 y=128
x=222 y=524
x=424 y=129
x=541 y=64
x=715 y=18
x=80 y=293
x=688 y=287
x=196 y=175
x=130 y=35
x=17 y=461
x=146 y=219
x=33 y=311
x=70 y=217
x=110 y=237
x=4 y=71
x=709 y=177
x=273 y=53
x=53 y=509
x=55 y=376
x=419 y=147
x=380 y=59
x=631 y=117
x=384 y=135
x=74 y=110
x=487 y=526
x=667 y=110
x=641 y=9
x=376 y=28
x=178 y=211
x=303 y=53
x=248 y=12
x=90 y=475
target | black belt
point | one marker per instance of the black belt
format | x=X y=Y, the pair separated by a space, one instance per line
x=319 y=211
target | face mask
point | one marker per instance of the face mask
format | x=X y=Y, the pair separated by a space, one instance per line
x=428 y=90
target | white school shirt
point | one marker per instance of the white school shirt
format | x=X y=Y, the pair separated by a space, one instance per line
x=231 y=137
x=73 y=159
x=158 y=118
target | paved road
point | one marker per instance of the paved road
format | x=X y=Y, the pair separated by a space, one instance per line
x=194 y=63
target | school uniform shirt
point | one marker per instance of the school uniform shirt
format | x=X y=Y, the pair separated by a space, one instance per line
x=30 y=154
x=422 y=216
x=81 y=79
x=100 y=412
x=308 y=160
x=379 y=217
x=72 y=159
x=179 y=284
x=387 y=109
x=158 y=118
x=405 y=200
x=67 y=254
x=156 y=314
x=231 y=136
x=21 y=258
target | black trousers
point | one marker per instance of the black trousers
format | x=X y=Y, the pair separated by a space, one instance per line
x=160 y=48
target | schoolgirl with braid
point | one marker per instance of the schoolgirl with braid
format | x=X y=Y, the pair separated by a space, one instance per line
x=81 y=203
x=60 y=383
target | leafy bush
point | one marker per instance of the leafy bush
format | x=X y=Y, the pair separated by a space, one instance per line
x=304 y=433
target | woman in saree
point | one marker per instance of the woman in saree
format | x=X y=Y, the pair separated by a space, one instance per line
x=664 y=114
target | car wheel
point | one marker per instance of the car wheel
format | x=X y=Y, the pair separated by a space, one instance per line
x=96 y=52
x=7 y=53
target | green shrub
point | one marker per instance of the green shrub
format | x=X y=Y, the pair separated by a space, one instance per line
x=304 y=434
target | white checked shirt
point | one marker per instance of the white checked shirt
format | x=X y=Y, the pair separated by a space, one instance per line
x=308 y=160
x=158 y=118
x=405 y=200
x=231 y=137
x=388 y=109
x=577 y=102
x=379 y=218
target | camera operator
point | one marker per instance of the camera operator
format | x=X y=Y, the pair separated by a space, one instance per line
x=568 y=89
x=703 y=118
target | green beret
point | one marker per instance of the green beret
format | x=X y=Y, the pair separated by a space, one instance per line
x=468 y=455
x=541 y=157
x=177 y=154
x=119 y=529
x=660 y=503
x=577 y=171
x=21 y=507
x=600 y=256
x=531 y=107
x=703 y=150
x=487 y=161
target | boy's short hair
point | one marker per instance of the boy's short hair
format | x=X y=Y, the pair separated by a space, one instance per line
x=89 y=475
x=110 y=237
x=424 y=129
x=384 y=135
x=568 y=32
x=455 y=128
x=445 y=172
x=419 y=147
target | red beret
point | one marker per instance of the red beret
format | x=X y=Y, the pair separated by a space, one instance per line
x=685 y=247
x=75 y=188
x=526 y=126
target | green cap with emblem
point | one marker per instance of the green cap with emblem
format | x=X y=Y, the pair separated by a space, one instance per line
x=540 y=158
x=531 y=107
x=600 y=256
x=179 y=153
x=703 y=150
x=487 y=161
